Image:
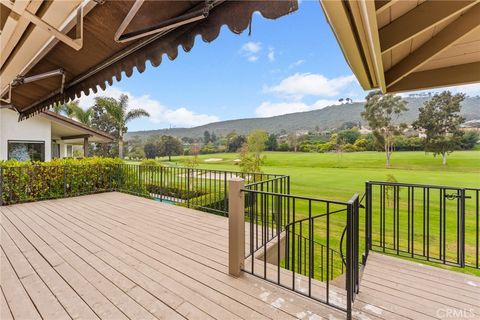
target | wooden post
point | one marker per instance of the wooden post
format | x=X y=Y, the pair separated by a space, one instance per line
x=236 y=226
x=85 y=147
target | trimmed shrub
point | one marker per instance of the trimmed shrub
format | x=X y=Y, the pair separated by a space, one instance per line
x=174 y=192
x=29 y=181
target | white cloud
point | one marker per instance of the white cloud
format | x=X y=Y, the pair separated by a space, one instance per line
x=250 y=50
x=159 y=113
x=252 y=47
x=271 y=54
x=301 y=84
x=269 y=109
x=296 y=63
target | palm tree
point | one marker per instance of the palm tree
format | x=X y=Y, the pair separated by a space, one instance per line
x=73 y=111
x=117 y=111
x=81 y=115
x=65 y=108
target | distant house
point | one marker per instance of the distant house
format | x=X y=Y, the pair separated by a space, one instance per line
x=472 y=125
x=364 y=130
x=301 y=132
x=46 y=136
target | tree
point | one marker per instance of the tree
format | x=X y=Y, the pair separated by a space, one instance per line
x=81 y=115
x=293 y=141
x=100 y=120
x=74 y=111
x=213 y=137
x=469 y=140
x=169 y=146
x=440 y=120
x=193 y=152
x=272 y=143
x=206 y=137
x=65 y=109
x=251 y=152
x=347 y=136
x=150 y=150
x=348 y=125
x=248 y=162
x=117 y=111
x=135 y=148
x=256 y=142
x=235 y=142
x=382 y=113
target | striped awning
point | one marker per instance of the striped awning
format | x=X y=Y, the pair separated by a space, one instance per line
x=101 y=59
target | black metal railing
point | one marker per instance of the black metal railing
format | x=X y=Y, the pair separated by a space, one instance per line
x=434 y=223
x=202 y=189
x=296 y=242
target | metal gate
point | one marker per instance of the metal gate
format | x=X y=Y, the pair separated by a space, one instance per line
x=433 y=223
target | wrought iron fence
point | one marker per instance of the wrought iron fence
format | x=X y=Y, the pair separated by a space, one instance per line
x=202 y=189
x=296 y=242
x=434 y=223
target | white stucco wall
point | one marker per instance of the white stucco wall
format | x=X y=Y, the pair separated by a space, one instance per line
x=33 y=129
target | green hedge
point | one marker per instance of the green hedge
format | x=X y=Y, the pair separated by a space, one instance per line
x=29 y=181
x=213 y=202
x=174 y=192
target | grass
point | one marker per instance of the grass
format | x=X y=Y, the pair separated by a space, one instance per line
x=339 y=176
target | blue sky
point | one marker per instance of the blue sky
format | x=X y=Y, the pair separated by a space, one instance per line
x=286 y=65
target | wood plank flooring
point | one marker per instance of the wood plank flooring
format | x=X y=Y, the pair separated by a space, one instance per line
x=117 y=256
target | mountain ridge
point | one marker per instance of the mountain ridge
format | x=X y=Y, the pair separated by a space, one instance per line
x=325 y=118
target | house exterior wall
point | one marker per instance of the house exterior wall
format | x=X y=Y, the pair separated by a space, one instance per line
x=33 y=129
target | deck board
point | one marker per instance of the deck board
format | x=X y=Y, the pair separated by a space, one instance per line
x=130 y=257
x=117 y=256
x=416 y=291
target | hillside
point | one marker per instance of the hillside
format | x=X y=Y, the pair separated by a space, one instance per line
x=326 y=118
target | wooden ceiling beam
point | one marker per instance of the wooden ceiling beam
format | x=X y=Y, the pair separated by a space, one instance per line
x=382 y=5
x=448 y=76
x=423 y=17
x=455 y=31
x=78 y=136
x=340 y=20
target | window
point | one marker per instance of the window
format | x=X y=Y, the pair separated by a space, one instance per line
x=69 y=150
x=26 y=150
x=55 y=150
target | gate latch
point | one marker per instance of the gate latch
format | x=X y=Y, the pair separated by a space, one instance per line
x=452 y=196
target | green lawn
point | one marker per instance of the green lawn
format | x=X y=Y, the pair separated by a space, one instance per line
x=339 y=176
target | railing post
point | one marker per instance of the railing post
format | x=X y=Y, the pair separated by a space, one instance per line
x=368 y=219
x=225 y=203
x=64 y=181
x=349 y=265
x=461 y=224
x=352 y=272
x=188 y=187
x=236 y=227
x=1 y=186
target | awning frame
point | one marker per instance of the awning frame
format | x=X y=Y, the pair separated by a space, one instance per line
x=75 y=43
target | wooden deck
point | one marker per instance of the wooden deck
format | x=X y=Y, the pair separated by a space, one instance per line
x=117 y=256
x=393 y=288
